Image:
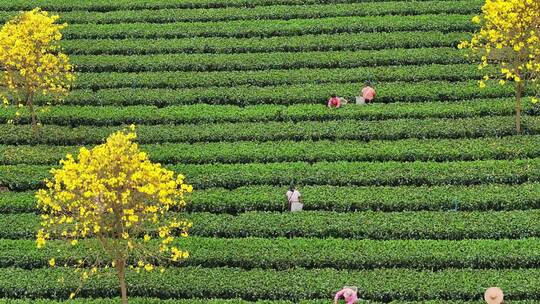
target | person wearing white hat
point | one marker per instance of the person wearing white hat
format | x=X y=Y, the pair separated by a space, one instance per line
x=494 y=295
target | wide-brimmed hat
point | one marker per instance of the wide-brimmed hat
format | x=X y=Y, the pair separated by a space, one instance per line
x=494 y=295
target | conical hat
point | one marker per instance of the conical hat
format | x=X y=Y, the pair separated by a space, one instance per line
x=494 y=295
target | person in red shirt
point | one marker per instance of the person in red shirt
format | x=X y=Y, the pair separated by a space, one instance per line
x=334 y=101
x=368 y=92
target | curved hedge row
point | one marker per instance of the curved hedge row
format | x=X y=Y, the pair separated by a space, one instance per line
x=281 y=12
x=439 y=150
x=269 y=28
x=370 y=225
x=380 y=284
x=177 y=80
x=266 y=61
x=203 y=113
x=304 y=43
x=341 y=199
x=284 y=253
x=230 y=176
x=351 y=173
x=436 y=225
x=106 y=5
x=287 y=94
x=273 y=131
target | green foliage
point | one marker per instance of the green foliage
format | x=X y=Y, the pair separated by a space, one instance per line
x=380 y=284
x=283 y=12
x=342 y=199
x=293 y=94
x=437 y=225
x=269 y=28
x=203 y=113
x=24 y=177
x=439 y=150
x=274 y=131
x=273 y=60
x=106 y=5
x=177 y=80
x=282 y=253
x=324 y=42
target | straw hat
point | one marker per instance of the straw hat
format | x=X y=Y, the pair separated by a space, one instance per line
x=494 y=295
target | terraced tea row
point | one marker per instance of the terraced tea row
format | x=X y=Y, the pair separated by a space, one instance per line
x=300 y=252
x=275 y=12
x=440 y=150
x=266 y=61
x=230 y=176
x=105 y=6
x=303 y=43
x=270 y=28
x=341 y=199
x=203 y=113
x=381 y=284
x=287 y=94
x=201 y=80
x=435 y=225
x=274 y=131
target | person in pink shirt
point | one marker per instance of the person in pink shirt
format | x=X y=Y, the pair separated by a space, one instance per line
x=348 y=293
x=334 y=102
x=368 y=92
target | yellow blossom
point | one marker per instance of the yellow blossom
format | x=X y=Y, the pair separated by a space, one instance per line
x=482 y=84
x=133 y=218
x=508 y=39
x=111 y=193
x=31 y=58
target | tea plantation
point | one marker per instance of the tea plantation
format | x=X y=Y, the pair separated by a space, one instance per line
x=426 y=195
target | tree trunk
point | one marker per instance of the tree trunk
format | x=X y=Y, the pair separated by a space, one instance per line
x=30 y=105
x=519 y=91
x=121 y=271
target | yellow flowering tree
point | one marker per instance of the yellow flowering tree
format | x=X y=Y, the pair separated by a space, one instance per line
x=509 y=39
x=31 y=59
x=113 y=193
